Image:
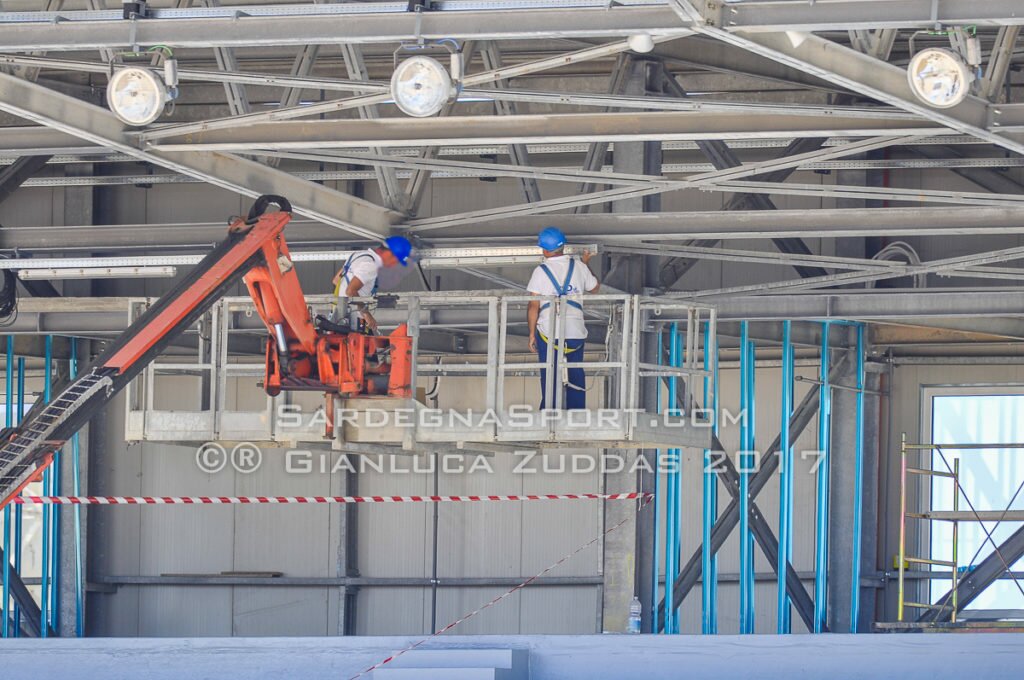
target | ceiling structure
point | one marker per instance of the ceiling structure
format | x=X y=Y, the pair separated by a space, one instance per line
x=282 y=97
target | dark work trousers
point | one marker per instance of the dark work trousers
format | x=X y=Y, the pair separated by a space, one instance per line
x=575 y=395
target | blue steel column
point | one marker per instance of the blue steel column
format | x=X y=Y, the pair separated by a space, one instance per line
x=18 y=519
x=709 y=561
x=785 y=481
x=8 y=526
x=56 y=487
x=821 y=506
x=47 y=537
x=655 y=586
x=746 y=446
x=672 y=494
x=858 y=484
x=76 y=467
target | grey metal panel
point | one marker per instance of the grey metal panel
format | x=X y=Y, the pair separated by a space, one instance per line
x=194 y=541
x=393 y=611
x=394 y=540
x=280 y=611
x=114 y=536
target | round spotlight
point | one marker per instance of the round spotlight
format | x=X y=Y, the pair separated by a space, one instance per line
x=421 y=86
x=641 y=43
x=939 y=77
x=136 y=95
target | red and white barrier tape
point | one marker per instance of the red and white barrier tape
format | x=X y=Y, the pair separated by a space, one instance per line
x=645 y=499
x=310 y=500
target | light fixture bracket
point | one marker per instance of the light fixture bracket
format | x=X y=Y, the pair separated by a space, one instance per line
x=420 y=85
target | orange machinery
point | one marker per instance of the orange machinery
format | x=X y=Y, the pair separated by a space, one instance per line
x=302 y=354
x=315 y=354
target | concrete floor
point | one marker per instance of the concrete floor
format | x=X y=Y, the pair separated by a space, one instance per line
x=796 y=657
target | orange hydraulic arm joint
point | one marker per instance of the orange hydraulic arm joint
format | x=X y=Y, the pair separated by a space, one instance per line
x=294 y=343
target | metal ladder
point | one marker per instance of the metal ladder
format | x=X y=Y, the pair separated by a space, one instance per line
x=20 y=456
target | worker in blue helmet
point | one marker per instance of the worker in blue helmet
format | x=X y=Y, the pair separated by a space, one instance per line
x=560 y=275
x=358 y=278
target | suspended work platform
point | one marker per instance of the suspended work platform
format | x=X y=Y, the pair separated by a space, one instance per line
x=224 y=376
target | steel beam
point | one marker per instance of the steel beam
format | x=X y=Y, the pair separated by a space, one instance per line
x=619 y=229
x=722 y=157
x=986 y=178
x=238 y=99
x=30 y=616
x=753 y=224
x=842 y=15
x=491 y=55
x=326 y=24
x=710 y=180
x=584 y=127
x=871 y=305
x=14 y=175
x=991 y=85
x=386 y=178
x=99 y=126
x=597 y=151
x=383 y=96
x=950 y=264
x=867 y=75
x=980 y=577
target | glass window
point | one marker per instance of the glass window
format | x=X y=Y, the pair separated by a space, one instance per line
x=990 y=479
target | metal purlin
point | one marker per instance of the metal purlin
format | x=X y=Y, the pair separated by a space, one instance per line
x=822 y=500
x=45 y=611
x=8 y=422
x=747 y=425
x=709 y=561
x=784 y=611
x=858 y=484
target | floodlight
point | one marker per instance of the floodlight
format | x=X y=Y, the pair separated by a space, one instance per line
x=136 y=95
x=641 y=43
x=939 y=77
x=421 y=86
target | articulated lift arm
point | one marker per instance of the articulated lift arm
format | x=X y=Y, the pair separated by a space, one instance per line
x=253 y=242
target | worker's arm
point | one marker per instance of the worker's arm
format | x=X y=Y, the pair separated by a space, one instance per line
x=352 y=290
x=585 y=259
x=532 y=314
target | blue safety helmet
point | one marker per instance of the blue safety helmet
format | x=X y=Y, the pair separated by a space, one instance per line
x=400 y=248
x=551 y=238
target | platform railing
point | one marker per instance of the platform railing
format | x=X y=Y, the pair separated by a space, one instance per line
x=616 y=323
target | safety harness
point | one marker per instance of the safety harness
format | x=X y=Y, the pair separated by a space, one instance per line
x=562 y=290
x=348 y=265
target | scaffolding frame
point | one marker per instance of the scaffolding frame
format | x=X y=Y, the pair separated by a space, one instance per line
x=955 y=517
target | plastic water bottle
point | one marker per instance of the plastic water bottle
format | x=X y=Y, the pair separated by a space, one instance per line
x=635 y=611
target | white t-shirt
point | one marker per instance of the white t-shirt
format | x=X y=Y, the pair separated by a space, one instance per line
x=582 y=281
x=363 y=266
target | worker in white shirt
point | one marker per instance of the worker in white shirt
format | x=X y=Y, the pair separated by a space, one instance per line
x=358 y=278
x=560 y=275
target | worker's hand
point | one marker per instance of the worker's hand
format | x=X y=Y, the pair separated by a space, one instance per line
x=585 y=256
x=533 y=341
x=371 y=323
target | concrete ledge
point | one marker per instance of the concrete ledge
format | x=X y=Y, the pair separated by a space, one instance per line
x=552 y=657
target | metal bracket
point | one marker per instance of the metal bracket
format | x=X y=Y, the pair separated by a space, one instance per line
x=714 y=13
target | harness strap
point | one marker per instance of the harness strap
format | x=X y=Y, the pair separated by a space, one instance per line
x=563 y=349
x=562 y=289
x=345 y=276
